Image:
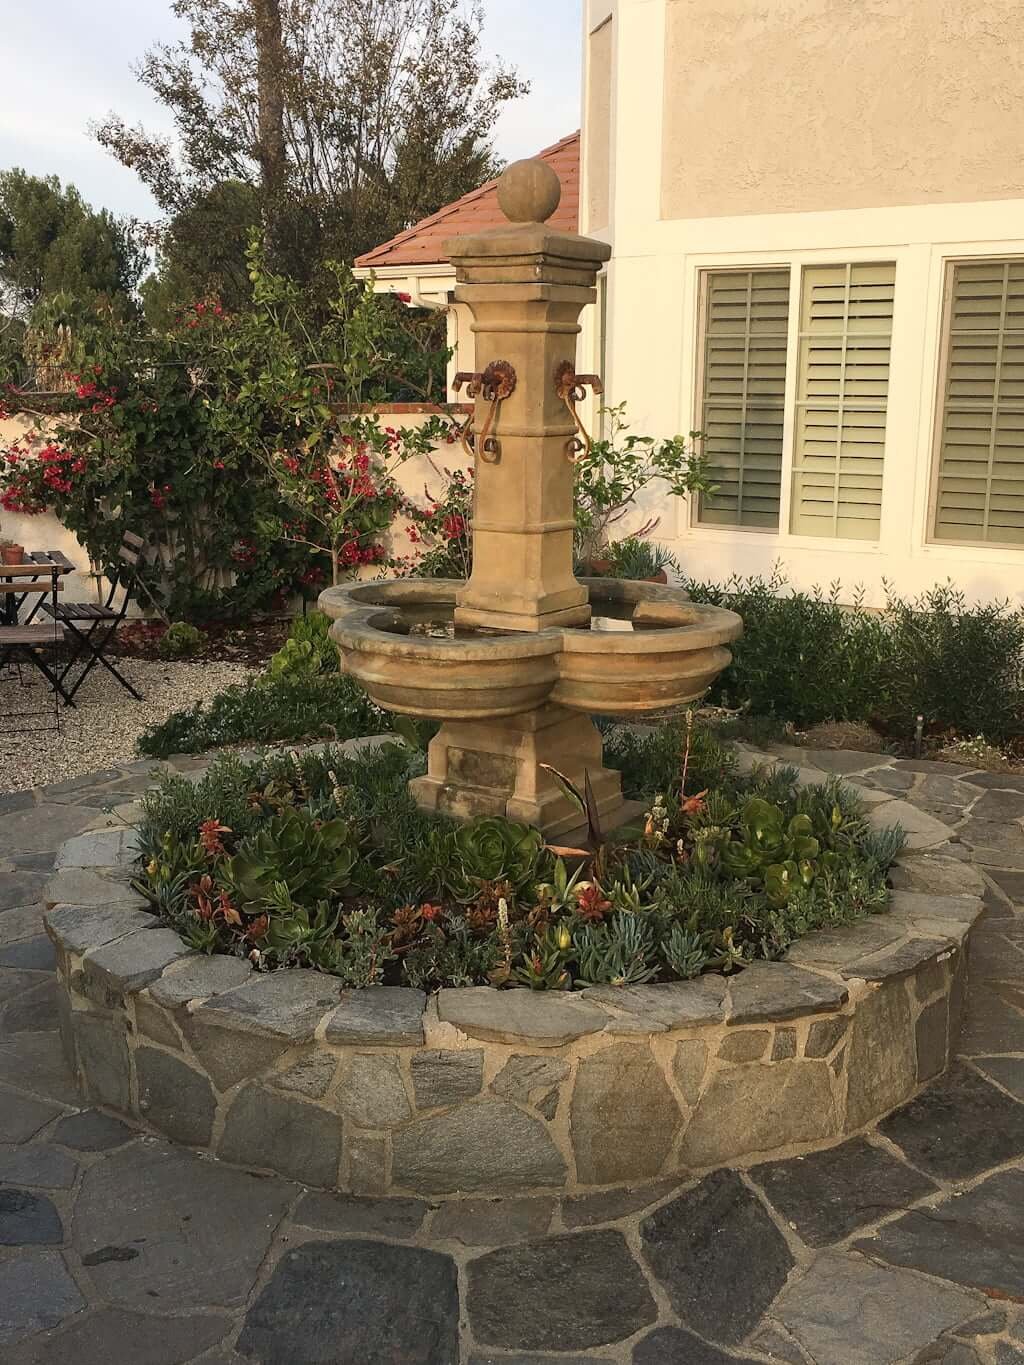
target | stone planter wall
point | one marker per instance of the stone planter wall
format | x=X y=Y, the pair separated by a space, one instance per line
x=386 y=1091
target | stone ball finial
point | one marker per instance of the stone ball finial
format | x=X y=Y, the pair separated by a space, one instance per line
x=529 y=191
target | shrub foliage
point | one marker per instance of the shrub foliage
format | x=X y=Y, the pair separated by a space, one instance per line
x=806 y=658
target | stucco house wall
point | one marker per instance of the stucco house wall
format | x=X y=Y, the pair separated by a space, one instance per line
x=790 y=135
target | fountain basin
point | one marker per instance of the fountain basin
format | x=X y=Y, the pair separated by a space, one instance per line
x=648 y=648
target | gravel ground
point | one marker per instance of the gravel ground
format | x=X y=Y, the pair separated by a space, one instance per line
x=106 y=721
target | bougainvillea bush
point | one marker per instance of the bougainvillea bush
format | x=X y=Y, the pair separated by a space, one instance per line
x=229 y=442
x=324 y=860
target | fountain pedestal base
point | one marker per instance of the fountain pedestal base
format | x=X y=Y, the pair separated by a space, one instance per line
x=493 y=767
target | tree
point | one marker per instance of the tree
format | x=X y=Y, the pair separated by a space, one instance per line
x=52 y=242
x=201 y=253
x=348 y=119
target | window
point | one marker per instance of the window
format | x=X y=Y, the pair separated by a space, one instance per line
x=742 y=389
x=841 y=395
x=979 y=492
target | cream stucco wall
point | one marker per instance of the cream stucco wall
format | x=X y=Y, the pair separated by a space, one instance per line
x=798 y=105
x=653 y=281
x=595 y=208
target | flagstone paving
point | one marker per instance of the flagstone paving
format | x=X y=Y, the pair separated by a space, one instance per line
x=902 y=1246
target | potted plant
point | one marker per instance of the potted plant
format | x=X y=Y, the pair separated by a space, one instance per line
x=11 y=552
x=641 y=560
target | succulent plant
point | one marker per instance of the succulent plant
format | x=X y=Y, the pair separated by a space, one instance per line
x=618 y=952
x=768 y=842
x=490 y=849
x=313 y=861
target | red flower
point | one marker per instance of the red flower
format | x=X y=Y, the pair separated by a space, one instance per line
x=403 y=297
x=591 y=903
x=209 y=836
x=454 y=526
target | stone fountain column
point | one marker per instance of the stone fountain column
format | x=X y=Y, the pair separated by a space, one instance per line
x=525 y=284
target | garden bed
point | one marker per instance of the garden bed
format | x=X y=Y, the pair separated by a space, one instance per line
x=389 y=1090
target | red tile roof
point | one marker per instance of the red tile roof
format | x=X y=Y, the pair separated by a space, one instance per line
x=475 y=212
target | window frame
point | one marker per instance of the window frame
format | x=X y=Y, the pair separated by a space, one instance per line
x=795 y=262
x=703 y=278
x=940 y=373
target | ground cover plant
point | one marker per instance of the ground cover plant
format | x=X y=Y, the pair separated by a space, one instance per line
x=324 y=860
x=269 y=710
x=300 y=695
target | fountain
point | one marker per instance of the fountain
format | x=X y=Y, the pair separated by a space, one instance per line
x=517 y=660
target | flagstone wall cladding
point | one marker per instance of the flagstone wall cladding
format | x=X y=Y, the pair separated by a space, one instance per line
x=388 y=1091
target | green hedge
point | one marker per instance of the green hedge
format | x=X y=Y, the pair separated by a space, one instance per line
x=806 y=658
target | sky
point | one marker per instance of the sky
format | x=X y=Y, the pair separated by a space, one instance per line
x=77 y=66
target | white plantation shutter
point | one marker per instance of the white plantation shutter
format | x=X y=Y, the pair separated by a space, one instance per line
x=980 y=482
x=743 y=393
x=842 y=390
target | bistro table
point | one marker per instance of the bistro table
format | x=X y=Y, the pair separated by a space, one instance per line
x=37 y=566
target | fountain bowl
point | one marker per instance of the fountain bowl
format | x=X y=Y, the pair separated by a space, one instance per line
x=648 y=648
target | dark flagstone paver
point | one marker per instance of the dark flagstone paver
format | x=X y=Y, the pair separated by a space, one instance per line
x=28 y=1219
x=36 y=1292
x=33 y=1011
x=718 y=1255
x=674 y=1346
x=43 y=827
x=991 y=1024
x=91 y=1131
x=1011 y=883
x=356 y=1301
x=202 y=1229
x=113 y=1337
x=828 y=1195
x=33 y=954
x=20 y=923
x=976 y=1238
x=559 y=1293
x=504 y=1359
x=491 y=1222
x=21 y=1116
x=35 y=1061
x=959 y=1127
x=20 y=888
x=46 y=1167
x=1006 y=1071
x=41 y=861
x=14 y=983
x=846 y=1311
x=360 y=1215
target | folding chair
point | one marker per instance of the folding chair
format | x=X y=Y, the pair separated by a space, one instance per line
x=28 y=642
x=93 y=627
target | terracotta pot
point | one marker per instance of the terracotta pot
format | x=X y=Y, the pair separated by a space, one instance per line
x=598 y=568
x=12 y=554
x=660 y=577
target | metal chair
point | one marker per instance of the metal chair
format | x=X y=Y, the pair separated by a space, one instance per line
x=93 y=626
x=28 y=643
